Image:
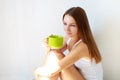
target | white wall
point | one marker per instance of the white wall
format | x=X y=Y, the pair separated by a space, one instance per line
x=24 y=24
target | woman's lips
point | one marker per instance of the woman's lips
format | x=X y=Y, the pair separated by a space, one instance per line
x=68 y=33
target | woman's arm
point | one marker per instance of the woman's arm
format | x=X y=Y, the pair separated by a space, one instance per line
x=75 y=54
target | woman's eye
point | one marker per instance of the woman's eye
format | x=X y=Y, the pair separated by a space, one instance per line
x=72 y=25
x=64 y=23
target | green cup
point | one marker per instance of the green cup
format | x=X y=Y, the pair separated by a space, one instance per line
x=55 y=41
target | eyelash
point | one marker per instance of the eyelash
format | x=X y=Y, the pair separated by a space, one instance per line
x=64 y=23
x=70 y=25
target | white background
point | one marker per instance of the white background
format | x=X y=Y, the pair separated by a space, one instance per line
x=25 y=23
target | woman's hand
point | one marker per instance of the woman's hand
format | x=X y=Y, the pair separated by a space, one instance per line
x=45 y=44
x=44 y=72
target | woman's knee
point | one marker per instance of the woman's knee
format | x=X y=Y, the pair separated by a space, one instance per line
x=58 y=55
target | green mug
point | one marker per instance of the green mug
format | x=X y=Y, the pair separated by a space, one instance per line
x=55 y=41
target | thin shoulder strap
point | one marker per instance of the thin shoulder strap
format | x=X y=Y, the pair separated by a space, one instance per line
x=68 y=41
x=77 y=43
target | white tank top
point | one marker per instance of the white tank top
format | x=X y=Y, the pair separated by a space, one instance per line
x=89 y=69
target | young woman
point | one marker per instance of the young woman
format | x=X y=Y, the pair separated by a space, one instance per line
x=83 y=62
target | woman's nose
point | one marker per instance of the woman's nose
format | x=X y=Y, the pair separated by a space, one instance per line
x=67 y=28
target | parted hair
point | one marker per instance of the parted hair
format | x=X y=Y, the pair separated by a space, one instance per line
x=81 y=19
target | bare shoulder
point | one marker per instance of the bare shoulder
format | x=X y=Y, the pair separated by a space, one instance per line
x=82 y=49
x=83 y=46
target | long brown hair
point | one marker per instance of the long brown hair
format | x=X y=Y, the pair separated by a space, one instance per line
x=82 y=21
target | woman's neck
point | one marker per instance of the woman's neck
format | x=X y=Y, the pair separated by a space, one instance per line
x=75 y=39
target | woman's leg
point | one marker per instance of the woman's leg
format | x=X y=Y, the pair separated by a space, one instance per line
x=51 y=60
x=70 y=73
x=38 y=77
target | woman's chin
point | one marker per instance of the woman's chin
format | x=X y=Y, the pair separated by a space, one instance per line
x=69 y=35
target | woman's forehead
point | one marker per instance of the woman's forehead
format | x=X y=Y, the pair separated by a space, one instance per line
x=69 y=18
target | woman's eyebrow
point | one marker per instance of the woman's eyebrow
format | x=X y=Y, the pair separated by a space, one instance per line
x=72 y=23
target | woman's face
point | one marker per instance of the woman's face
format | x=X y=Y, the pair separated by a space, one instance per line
x=70 y=26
